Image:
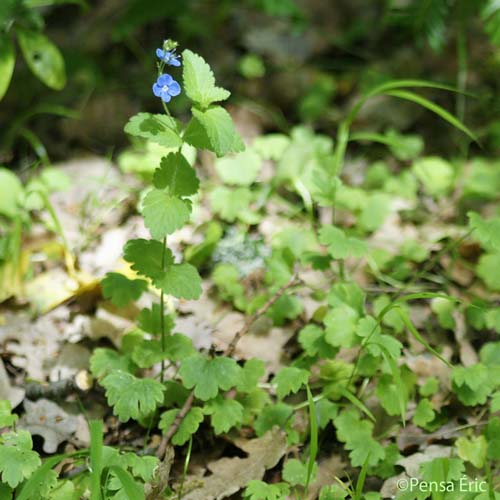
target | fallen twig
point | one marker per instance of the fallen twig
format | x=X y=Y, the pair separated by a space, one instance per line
x=228 y=352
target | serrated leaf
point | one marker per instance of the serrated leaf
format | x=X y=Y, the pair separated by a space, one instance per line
x=224 y=413
x=424 y=413
x=121 y=290
x=7 y=62
x=341 y=246
x=312 y=340
x=340 y=324
x=241 y=169
x=278 y=414
x=6 y=417
x=232 y=204
x=188 y=426
x=147 y=256
x=251 y=373
x=17 y=460
x=472 y=450
x=199 y=80
x=149 y=352
x=486 y=231
x=43 y=58
x=220 y=131
x=295 y=472
x=163 y=213
x=149 y=320
x=132 y=397
x=181 y=281
x=289 y=380
x=160 y=129
x=207 y=376
x=258 y=490
x=104 y=361
x=176 y=174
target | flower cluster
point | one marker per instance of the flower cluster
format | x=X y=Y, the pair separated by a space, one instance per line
x=165 y=86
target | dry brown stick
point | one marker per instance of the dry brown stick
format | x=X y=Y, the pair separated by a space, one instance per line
x=228 y=352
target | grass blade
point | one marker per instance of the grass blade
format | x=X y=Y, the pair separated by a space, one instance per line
x=132 y=489
x=96 y=446
x=356 y=402
x=313 y=440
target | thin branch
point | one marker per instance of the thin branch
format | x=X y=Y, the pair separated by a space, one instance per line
x=228 y=352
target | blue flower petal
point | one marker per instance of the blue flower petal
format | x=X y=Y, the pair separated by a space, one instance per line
x=157 y=90
x=165 y=97
x=174 y=89
x=174 y=61
x=164 y=79
x=160 y=53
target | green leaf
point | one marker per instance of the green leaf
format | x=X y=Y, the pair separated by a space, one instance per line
x=146 y=257
x=424 y=413
x=232 y=204
x=17 y=460
x=295 y=472
x=208 y=376
x=188 y=426
x=289 y=380
x=436 y=174
x=438 y=110
x=272 y=415
x=163 y=213
x=258 y=490
x=486 y=231
x=376 y=210
x=220 y=131
x=240 y=169
x=442 y=470
x=488 y=269
x=149 y=320
x=131 y=488
x=199 y=81
x=104 y=361
x=132 y=397
x=7 y=419
x=430 y=387
x=176 y=174
x=7 y=62
x=340 y=324
x=160 y=129
x=42 y=57
x=11 y=191
x=492 y=434
x=495 y=402
x=472 y=384
x=312 y=340
x=181 y=281
x=224 y=413
x=472 y=450
x=121 y=290
x=339 y=245
x=149 y=352
x=251 y=373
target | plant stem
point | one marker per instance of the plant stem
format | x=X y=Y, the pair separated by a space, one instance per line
x=162 y=312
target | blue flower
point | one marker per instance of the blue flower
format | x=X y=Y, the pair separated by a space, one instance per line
x=168 y=57
x=166 y=87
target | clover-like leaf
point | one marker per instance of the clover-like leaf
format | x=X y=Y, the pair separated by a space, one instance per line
x=132 y=397
x=176 y=174
x=289 y=380
x=199 y=80
x=17 y=459
x=163 y=213
x=219 y=128
x=148 y=257
x=272 y=415
x=208 y=376
x=160 y=129
x=472 y=450
x=424 y=413
x=188 y=426
x=341 y=246
x=181 y=281
x=224 y=413
x=121 y=290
